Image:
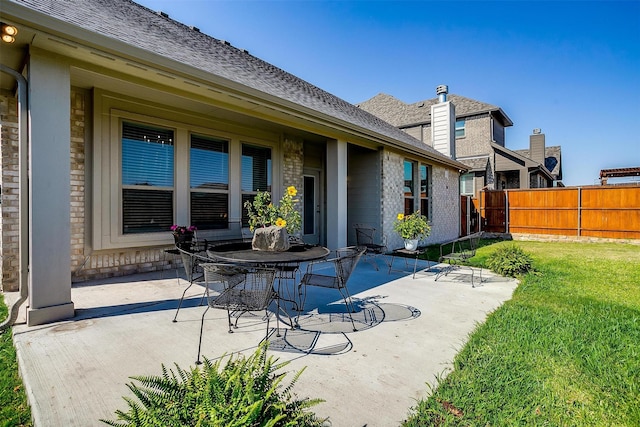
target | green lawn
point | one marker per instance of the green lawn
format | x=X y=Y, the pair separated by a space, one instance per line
x=14 y=410
x=565 y=351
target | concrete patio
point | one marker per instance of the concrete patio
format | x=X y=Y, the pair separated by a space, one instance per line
x=409 y=330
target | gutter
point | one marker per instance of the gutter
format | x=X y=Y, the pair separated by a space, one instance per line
x=23 y=194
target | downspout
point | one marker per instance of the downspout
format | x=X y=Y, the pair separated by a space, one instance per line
x=23 y=194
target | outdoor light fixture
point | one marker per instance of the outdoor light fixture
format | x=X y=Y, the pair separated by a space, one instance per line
x=9 y=33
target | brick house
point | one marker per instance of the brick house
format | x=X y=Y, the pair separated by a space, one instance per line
x=126 y=122
x=479 y=142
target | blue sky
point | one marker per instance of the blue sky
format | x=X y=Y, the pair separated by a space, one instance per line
x=570 y=68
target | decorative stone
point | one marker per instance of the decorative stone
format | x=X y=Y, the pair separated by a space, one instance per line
x=272 y=238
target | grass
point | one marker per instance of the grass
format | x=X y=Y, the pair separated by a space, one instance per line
x=564 y=351
x=14 y=410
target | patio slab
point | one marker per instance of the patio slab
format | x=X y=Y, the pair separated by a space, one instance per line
x=409 y=330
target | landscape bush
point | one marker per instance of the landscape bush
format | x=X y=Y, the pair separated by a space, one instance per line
x=246 y=391
x=510 y=260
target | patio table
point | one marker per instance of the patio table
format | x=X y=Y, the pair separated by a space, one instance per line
x=285 y=262
x=241 y=253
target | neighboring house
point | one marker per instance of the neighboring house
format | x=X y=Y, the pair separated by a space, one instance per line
x=479 y=142
x=126 y=122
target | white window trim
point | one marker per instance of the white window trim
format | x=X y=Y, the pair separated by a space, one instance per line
x=106 y=190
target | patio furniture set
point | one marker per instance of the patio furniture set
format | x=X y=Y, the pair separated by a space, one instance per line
x=240 y=280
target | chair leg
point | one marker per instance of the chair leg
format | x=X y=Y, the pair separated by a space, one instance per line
x=198 y=362
x=302 y=296
x=229 y=320
x=349 y=305
x=175 y=318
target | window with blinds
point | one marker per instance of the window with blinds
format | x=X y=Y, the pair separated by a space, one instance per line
x=147 y=178
x=209 y=182
x=256 y=174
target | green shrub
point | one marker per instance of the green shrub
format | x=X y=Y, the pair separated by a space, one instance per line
x=244 y=392
x=510 y=260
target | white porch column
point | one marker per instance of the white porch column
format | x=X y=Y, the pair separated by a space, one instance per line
x=49 y=190
x=336 y=194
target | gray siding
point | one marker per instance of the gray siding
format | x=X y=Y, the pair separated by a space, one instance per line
x=363 y=189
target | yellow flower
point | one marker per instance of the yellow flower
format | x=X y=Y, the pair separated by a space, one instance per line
x=291 y=190
x=400 y=216
x=281 y=222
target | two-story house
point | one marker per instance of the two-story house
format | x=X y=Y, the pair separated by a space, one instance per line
x=479 y=141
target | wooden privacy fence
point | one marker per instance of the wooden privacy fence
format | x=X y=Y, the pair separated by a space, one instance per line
x=598 y=211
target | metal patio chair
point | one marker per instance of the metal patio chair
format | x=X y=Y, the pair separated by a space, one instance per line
x=192 y=257
x=239 y=290
x=457 y=254
x=344 y=263
x=366 y=237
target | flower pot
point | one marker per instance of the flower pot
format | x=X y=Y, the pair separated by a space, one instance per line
x=272 y=238
x=183 y=240
x=411 y=244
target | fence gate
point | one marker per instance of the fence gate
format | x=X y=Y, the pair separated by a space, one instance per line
x=493 y=209
x=469 y=223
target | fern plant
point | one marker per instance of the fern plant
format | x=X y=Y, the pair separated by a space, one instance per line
x=246 y=391
x=510 y=260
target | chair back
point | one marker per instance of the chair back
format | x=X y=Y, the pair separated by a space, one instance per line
x=239 y=288
x=365 y=234
x=346 y=261
x=190 y=263
x=474 y=242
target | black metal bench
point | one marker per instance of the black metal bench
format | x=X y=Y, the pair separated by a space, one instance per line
x=457 y=253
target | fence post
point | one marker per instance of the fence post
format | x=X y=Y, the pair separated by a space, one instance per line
x=506 y=211
x=579 y=211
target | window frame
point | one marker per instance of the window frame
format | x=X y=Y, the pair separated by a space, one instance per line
x=426 y=198
x=460 y=127
x=148 y=188
x=470 y=178
x=250 y=194
x=208 y=190
x=409 y=197
x=104 y=191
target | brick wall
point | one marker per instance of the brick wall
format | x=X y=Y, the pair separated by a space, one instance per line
x=293 y=164
x=445 y=203
x=86 y=263
x=78 y=199
x=9 y=225
x=477 y=137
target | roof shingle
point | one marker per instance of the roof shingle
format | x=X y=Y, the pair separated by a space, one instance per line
x=138 y=26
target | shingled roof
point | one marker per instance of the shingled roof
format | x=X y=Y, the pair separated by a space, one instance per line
x=551 y=160
x=401 y=114
x=142 y=28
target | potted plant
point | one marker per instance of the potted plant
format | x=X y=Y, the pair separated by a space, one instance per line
x=183 y=234
x=412 y=228
x=272 y=224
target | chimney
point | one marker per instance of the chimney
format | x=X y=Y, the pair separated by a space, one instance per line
x=537 y=146
x=442 y=91
x=443 y=124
